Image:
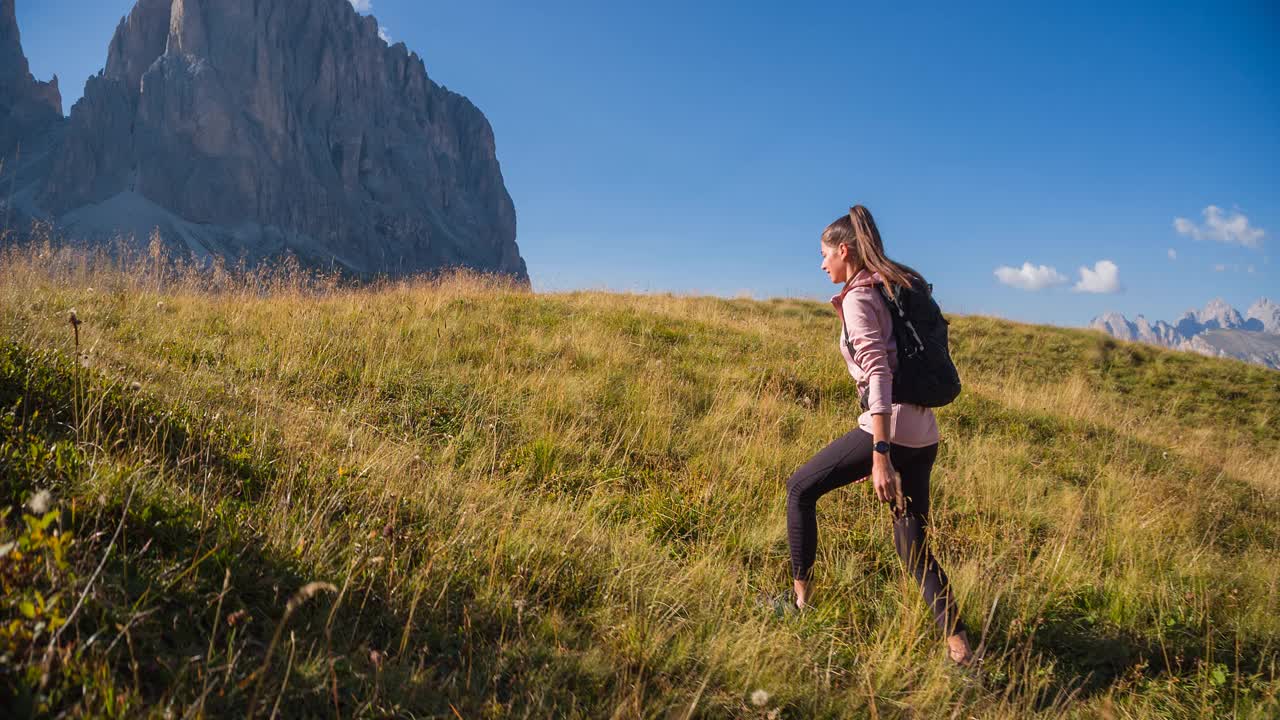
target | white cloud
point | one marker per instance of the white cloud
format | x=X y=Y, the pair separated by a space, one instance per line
x=384 y=34
x=1030 y=277
x=1173 y=254
x=1232 y=229
x=1103 y=278
x=1219 y=268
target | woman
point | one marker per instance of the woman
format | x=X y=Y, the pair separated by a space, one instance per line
x=894 y=443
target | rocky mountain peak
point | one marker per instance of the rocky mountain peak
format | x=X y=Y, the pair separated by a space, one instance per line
x=1116 y=325
x=28 y=107
x=15 y=71
x=257 y=127
x=1219 y=314
x=140 y=38
x=13 y=63
x=1266 y=314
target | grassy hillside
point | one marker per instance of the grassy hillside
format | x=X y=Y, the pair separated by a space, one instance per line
x=270 y=494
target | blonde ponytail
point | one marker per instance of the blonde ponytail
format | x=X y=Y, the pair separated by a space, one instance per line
x=858 y=230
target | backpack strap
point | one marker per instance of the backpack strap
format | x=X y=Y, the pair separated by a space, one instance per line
x=892 y=300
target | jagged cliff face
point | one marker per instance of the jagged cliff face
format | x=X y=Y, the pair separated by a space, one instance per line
x=28 y=108
x=248 y=127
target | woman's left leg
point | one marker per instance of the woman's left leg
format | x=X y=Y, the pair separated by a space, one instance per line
x=845 y=460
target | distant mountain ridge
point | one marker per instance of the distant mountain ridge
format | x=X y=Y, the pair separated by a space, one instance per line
x=1217 y=330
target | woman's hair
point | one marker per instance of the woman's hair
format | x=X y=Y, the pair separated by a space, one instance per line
x=858 y=230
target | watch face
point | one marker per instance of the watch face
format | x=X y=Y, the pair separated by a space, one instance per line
x=882 y=447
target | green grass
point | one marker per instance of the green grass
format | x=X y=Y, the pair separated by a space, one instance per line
x=480 y=502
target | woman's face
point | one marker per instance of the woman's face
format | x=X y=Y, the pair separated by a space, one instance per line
x=835 y=261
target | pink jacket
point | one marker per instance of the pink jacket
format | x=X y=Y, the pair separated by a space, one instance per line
x=865 y=320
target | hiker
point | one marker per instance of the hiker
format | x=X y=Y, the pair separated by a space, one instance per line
x=895 y=443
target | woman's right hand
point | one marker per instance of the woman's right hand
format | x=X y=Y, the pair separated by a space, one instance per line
x=886 y=481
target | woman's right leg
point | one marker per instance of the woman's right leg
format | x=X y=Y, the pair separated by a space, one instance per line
x=910 y=524
x=845 y=460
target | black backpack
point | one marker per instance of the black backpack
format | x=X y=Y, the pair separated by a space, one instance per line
x=925 y=375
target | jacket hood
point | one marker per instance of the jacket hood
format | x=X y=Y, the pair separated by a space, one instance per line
x=862 y=279
x=866 y=279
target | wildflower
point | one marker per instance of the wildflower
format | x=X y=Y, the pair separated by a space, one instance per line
x=760 y=697
x=376 y=657
x=39 y=503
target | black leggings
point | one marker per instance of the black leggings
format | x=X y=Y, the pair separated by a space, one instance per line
x=846 y=459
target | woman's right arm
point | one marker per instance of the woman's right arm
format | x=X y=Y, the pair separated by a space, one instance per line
x=869 y=347
x=870 y=351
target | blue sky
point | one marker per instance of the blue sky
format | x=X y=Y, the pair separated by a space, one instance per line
x=702 y=147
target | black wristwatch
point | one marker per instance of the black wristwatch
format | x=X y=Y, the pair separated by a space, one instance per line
x=882 y=447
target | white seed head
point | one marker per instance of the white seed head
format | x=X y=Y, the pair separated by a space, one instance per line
x=760 y=697
x=306 y=593
x=39 y=503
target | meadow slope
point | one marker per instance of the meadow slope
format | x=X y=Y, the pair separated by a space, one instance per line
x=275 y=495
